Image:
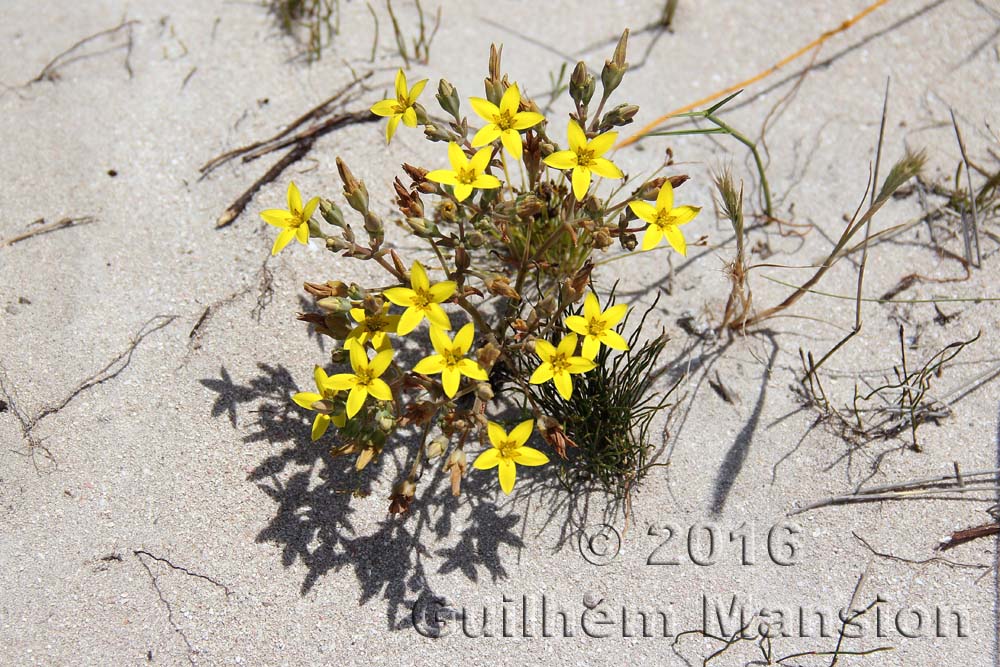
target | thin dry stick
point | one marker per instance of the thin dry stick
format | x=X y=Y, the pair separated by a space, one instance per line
x=49 y=71
x=237 y=207
x=47 y=229
x=316 y=112
x=816 y=43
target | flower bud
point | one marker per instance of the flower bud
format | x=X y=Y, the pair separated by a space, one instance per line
x=529 y=206
x=614 y=69
x=500 y=286
x=356 y=292
x=354 y=190
x=581 y=84
x=386 y=421
x=484 y=391
x=475 y=239
x=447 y=97
x=329 y=288
x=435 y=133
x=339 y=355
x=335 y=304
x=436 y=447
x=331 y=213
x=620 y=115
x=462 y=259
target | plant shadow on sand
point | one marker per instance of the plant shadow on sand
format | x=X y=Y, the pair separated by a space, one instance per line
x=314 y=519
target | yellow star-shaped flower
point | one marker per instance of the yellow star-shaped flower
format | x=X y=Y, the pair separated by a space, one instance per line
x=421 y=299
x=466 y=174
x=321 y=401
x=372 y=327
x=584 y=157
x=450 y=360
x=597 y=327
x=294 y=222
x=364 y=380
x=509 y=450
x=664 y=220
x=504 y=121
x=559 y=363
x=400 y=108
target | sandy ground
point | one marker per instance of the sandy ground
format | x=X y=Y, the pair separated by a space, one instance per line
x=173 y=510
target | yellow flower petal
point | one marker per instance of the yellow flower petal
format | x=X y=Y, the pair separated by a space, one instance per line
x=380 y=390
x=602 y=166
x=520 y=433
x=684 y=214
x=577 y=137
x=463 y=339
x=418 y=88
x=462 y=191
x=581 y=365
x=576 y=324
x=613 y=340
x=284 y=238
x=591 y=306
x=409 y=320
x=602 y=143
x=614 y=314
x=676 y=239
x=320 y=377
x=436 y=316
x=643 y=210
x=487 y=134
x=496 y=434
x=305 y=399
x=567 y=345
x=410 y=117
x=529 y=456
x=339 y=420
x=561 y=160
x=443 y=290
x=278 y=217
x=564 y=385
x=401 y=296
x=356 y=399
x=591 y=346
x=457 y=156
x=481 y=160
x=652 y=237
x=390 y=127
x=400 y=85
x=429 y=365
x=581 y=182
x=508 y=472
x=511 y=100
x=484 y=109
x=542 y=374
x=472 y=369
x=343 y=381
x=294 y=198
x=544 y=349
x=512 y=142
x=526 y=119
x=443 y=176
x=381 y=362
x=450 y=378
x=310 y=208
x=384 y=108
x=320 y=424
x=302 y=234
x=486 y=182
x=439 y=339
x=418 y=277
x=359 y=358
x=488 y=459
x=665 y=197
